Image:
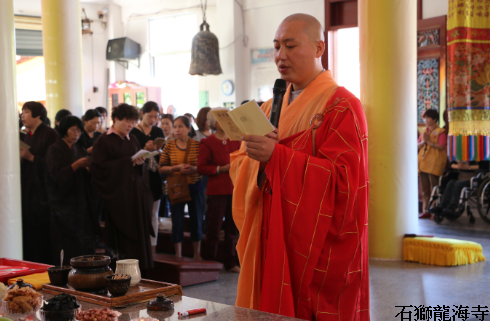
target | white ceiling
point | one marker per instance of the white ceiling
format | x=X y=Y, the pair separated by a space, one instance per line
x=33 y=7
x=27 y=7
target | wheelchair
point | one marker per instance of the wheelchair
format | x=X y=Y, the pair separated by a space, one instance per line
x=476 y=195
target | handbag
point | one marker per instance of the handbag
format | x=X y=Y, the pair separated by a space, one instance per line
x=177 y=186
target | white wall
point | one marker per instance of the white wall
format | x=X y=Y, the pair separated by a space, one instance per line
x=94 y=63
x=434 y=8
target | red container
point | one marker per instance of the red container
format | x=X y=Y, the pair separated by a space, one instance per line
x=32 y=268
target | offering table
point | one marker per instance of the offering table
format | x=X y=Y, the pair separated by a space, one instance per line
x=215 y=311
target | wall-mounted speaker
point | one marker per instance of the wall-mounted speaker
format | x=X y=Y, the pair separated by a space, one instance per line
x=122 y=48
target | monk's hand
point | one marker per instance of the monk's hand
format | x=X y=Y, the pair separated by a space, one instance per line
x=259 y=148
x=273 y=135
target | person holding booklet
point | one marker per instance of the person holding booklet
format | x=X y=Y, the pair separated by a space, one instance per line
x=91 y=122
x=179 y=162
x=146 y=133
x=127 y=199
x=303 y=244
x=35 y=205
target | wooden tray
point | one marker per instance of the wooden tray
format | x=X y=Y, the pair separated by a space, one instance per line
x=144 y=291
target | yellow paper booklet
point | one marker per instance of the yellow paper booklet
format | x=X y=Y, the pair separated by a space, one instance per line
x=248 y=119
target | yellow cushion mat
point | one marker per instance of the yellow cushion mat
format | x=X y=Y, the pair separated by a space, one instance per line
x=441 y=251
x=36 y=280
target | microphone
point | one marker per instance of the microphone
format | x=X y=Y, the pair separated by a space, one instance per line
x=278 y=92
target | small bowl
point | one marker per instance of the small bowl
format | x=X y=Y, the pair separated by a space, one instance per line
x=118 y=287
x=67 y=315
x=59 y=275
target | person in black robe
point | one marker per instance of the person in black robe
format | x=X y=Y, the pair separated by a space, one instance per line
x=35 y=205
x=103 y=115
x=74 y=221
x=127 y=199
x=59 y=117
x=91 y=123
x=146 y=132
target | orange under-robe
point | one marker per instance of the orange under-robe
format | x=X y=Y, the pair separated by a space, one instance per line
x=303 y=247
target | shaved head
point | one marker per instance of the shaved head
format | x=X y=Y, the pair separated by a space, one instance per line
x=299 y=45
x=311 y=26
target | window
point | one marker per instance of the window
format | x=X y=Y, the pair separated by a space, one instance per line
x=344 y=59
x=140 y=99
x=170 y=46
x=127 y=98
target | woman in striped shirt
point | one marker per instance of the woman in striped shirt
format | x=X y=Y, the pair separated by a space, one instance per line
x=172 y=163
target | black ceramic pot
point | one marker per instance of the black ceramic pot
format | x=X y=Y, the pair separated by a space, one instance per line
x=118 y=287
x=59 y=275
x=89 y=272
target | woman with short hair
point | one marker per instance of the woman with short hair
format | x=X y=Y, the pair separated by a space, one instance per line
x=127 y=199
x=146 y=132
x=103 y=117
x=91 y=122
x=179 y=158
x=35 y=205
x=432 y=156
x=62 y=113
x=74 y=220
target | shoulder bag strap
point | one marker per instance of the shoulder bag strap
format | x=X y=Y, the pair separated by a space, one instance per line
x=187 y=150
x=183 y=178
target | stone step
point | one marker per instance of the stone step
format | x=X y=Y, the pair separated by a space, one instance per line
x=183 y=271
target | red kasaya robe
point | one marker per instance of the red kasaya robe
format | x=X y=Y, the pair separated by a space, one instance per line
x=304 y=247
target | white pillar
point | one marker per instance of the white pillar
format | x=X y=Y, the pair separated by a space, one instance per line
x=10 y=212
x=388 y=56
x=115 y=28
x=62 y=44
x=242 y=53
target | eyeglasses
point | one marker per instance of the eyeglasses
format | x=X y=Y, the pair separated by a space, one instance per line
x=75 y=130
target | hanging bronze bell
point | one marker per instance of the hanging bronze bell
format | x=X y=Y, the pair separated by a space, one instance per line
x=205 y=53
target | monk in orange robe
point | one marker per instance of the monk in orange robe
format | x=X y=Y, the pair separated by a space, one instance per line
x=303 y=244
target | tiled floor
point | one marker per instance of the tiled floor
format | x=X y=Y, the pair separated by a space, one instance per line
x=396 y=283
